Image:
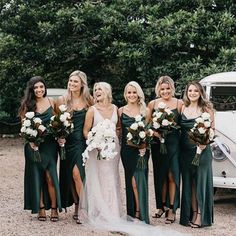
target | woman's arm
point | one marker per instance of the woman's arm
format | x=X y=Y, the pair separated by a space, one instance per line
x=88 y=122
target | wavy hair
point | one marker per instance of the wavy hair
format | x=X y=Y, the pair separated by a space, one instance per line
x=28 y=102
x=141 y=97
x=165 y=79
x=106 y=88
x=84 y=92
x=203 y=102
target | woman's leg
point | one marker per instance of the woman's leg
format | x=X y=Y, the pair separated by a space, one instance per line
x=135 y=190
x=52 y=194
x=172 y=190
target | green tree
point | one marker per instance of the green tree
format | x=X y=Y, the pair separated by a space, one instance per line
x=113 y=41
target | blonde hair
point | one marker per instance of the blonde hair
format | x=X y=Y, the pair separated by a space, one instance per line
x=106 y=88
x=141 y=97
x=84 y=92
x=203 y=102
x=164 y=80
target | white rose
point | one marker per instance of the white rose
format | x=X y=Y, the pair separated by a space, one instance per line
x=211 y=134
x=161 y=105
x=67 y=115
x=29 y=114
x=62 y=108
x=141 y=124
x=23 y=129
x=138 y=118
x=165 y=122
x=156 y=125
x=201 y=130
x=37 y=120
x=66 y=123
x=154 y=119
x=52 y=118
x=142 y=134
x=168 y=111
x=34 y=133
x=207 y=124
x=42 y=128
x=28 y=131
x=26 y=123
x=199 y=120
x=62 y=118
x=129 y=136
x=205 y=115
x=159 y=114
x=150 y=132
x=134 y=126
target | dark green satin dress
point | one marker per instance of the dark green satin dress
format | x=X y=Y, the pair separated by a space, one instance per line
x=34 y=178
x=75 y=146
x=163 y=164
x=135 y=166
x=201 y=176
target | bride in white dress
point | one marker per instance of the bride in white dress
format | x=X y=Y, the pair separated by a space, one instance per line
x=100 y=205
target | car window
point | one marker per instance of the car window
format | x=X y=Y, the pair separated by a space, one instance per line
x=223 y=98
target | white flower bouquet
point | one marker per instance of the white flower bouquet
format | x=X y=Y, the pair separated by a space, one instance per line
x=101 y=137
x=32 y=130
x=201 y=133
x=140 y=134
x=163 y=122
x=61 y=126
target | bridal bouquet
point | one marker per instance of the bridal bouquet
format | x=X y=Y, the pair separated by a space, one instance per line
x=201 y=133
x=32 y=130
x=61 y=126
x=140 y=134
x=101 y=137
x=164 y=123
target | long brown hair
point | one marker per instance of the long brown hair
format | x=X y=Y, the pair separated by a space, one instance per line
x=28 y=102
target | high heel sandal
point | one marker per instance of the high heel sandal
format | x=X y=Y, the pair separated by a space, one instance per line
x=54 y=214
x=159 y=215
x=191 y=222
x=196 y=226
x=75 y=216
x=168 y=220
x=137 y=215
x=42 y=214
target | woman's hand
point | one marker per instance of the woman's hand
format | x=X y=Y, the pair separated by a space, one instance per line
x=61 y=141
x=142 y=152
x=201 y=146
x=156 y=134
x=33 y=146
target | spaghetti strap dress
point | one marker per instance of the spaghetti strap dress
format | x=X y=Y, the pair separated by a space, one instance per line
x=75 y=146
x=136 y=166
x=165 y=163
x=200 y=176
x=34 y=176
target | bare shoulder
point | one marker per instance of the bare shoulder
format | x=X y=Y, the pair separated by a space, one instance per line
x=180 y=105
x=60 y=100
x=52 y=101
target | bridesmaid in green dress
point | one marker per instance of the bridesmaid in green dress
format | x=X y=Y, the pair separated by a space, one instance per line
x=77 y=99
x=166 y=166
x=41 y=187
x=197 y=192
x=136 y=174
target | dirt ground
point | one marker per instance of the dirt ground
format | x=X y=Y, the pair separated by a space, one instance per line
x=16 y=221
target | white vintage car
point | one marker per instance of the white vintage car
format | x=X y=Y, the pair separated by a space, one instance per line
x=221 y=90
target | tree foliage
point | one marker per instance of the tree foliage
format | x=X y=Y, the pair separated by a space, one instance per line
x=114 y=41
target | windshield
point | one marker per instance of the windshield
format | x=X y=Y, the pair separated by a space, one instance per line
x=223 y=98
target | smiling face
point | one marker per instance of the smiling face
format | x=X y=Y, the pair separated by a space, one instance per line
x=131 y=94
x=39 y=89
x=193 y=93
x=74 y=83
x=99 y=93
x=165 y=91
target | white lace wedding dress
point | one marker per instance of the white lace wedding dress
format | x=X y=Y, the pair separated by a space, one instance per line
x=100 y=204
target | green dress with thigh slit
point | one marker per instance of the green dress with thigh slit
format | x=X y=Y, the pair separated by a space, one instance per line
x=200 y=176
x=35 y=178
x=75 y=146
x=136 y=166
x=165 y=163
